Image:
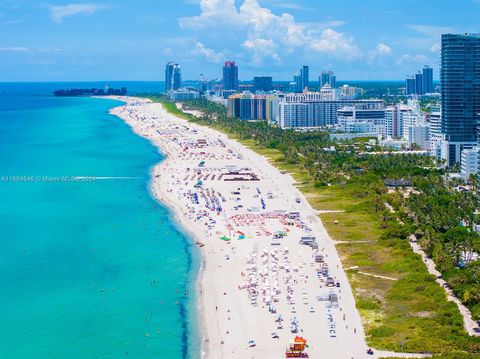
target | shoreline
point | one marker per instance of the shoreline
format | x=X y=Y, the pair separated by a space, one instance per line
x=176 y=215
x=180 y=221
x=352 y=342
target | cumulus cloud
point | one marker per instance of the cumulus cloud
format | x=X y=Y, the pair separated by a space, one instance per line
x=209 y=54
x=383 y=49
x=380 y=52
x=335 y=43
x=261 y=49
x=212 y=11
x=58 y=12
x=13 y=49
x=265 y=31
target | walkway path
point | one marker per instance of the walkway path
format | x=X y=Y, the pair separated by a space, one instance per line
x=470 y=325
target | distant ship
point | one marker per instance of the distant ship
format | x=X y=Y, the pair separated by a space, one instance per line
x=107 y=91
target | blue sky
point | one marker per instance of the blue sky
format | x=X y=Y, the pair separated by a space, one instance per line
x=132 y=40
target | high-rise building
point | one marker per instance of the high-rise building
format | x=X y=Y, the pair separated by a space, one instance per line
x=437 y=138
x=328 y=78
x=304 y=74
x=301 y=80
x=230 y=76
x=410 y=86
x=169 y=76
x=427 y=77
x=399 y=118
x=173 y=77
x=311 y=110
x=419 y=84
x=297 y=83
x=262 y=83
x=177 y=77
x=460 y=92
x=252 y=107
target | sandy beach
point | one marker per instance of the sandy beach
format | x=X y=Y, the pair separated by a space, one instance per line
x=270 y=271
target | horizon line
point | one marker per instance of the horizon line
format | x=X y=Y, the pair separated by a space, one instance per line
x=87 y=81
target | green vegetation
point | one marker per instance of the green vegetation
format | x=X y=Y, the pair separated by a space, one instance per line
x=409 y=311
x=404 y=309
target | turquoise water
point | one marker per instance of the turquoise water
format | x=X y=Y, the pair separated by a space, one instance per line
x=87 y=269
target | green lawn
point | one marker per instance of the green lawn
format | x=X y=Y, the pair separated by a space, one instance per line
x=410 y=314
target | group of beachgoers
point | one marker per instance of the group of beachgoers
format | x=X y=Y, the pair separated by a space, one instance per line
x=267 y=258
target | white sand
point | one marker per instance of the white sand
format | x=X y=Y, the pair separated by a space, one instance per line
x=228 y=317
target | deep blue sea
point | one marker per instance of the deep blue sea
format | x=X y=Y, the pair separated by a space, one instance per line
x=88 y=269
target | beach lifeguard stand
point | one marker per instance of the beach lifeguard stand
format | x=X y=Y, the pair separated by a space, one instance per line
x=297 y=348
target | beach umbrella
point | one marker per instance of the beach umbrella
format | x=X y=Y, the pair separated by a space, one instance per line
x=225 y=238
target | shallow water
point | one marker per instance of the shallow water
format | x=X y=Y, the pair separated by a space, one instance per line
x=88 y=269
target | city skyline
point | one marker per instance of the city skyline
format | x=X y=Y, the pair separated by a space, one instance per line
x=99 y=40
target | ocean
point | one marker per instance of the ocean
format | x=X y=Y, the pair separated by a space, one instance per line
x=92 y=267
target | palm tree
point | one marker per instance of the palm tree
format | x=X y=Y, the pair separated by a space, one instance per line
x=473 y=181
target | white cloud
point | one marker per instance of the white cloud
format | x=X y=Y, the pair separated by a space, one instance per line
x=264 y=31
x=58 y=12
x=435 y=48
x=406 y=58
x=383 y=49
x=380 y=52
x=262 y=48
x=211 y=11
x=13 y=49
x=335 y=43
x=209 y=54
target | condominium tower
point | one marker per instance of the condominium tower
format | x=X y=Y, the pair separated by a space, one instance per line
x=460 y=91
x=173 y=76
x=230 y=76
x=328 y=78
x=302 y=80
